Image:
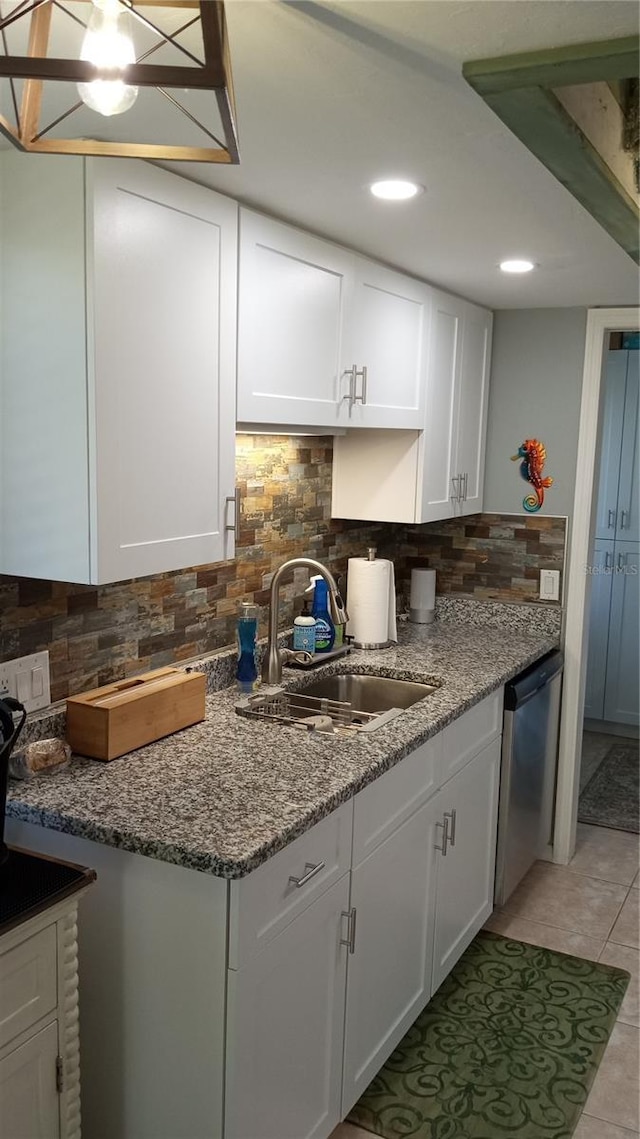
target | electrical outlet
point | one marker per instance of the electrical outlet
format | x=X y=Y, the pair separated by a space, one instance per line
x=550 y=585
x=27 y=680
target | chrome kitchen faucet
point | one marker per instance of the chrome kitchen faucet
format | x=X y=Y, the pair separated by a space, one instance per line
x=275 y=657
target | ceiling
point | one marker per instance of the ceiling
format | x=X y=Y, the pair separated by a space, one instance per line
x=333 y=95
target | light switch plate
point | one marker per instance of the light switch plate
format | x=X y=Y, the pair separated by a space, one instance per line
x=549 y=585
x=27 y=680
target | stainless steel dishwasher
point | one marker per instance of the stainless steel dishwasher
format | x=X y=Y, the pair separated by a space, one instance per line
x=528 y=771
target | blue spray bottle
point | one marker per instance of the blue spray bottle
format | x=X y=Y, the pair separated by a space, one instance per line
x=247 y=631
x=325 y=628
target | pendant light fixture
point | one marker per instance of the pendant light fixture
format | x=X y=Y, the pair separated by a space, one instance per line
x=160 y=68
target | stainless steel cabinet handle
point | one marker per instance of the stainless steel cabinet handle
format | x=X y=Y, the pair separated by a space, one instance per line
x=235 y=498
x=360 y=373
x=350 y=939
x=611 y=514
x=455 y=482
x=350 y=396
x=622 y=561
x=445 y=836
x=451 y=834
x=608 y=560
x=311 y=873
x=623 y=515
x=466 y=486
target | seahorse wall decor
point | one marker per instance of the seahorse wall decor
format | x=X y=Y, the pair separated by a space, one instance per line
x=534 y=456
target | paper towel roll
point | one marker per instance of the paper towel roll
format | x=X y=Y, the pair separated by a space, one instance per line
x=422 y=598
x=371 y=602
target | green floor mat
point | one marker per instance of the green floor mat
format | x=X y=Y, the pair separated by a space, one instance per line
x=506 y=1049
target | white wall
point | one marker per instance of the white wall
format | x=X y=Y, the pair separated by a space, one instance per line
x=536 y=384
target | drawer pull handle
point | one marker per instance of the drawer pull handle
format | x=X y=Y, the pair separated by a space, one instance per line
x=623 y=524
x=445 y=836
x=311 y=869
x=350 y=939
x=611 y=519
x=451 y=834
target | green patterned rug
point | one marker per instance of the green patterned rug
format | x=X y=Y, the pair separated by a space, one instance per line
x=506 y=1049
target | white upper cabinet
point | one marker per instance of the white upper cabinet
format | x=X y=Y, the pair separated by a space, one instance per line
x=291 y=305
x=326 y=338
x=118 y=360
x=438 y=472
x=453 y=443
x=384 y=356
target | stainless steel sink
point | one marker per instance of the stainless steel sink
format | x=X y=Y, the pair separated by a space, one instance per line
x=344 y=703
x=368 y=693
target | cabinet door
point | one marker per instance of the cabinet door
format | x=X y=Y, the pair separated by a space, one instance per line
x=466 y=873
x=162 y=287
x=599 y=609
x=29 y=1103
x=628 y=528
x=615 y=374
x=285 y=1021
x=292 y=294
x=473 y=401
x=623 y=675
x=389 y=973
x=437 y=461
x=385 y=332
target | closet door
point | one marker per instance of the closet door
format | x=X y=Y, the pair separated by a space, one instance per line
x=628 y=529
x=623 y=672
x=599 y=610
x=615 y=379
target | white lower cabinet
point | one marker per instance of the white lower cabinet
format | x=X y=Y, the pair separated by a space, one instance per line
x=285 y=1028
x=389 y=981
x=29 y=1107
x=316 y=1010
x=464 y=898
x=39 y=1035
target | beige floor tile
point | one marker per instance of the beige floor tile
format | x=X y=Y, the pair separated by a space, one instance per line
x=615 y=1094
x=536 y=933
x=626 y=931
x=626 y=958
x=591 y=1128
x=611 y=855
x=348 y=1131
x=555 y=895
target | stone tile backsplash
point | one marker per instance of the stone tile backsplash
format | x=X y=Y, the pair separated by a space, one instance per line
x=96 y=635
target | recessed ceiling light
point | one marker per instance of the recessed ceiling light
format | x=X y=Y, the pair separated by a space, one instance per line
x=395 y=189
x=517 y=265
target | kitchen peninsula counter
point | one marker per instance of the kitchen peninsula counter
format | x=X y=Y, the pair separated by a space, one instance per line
x=225 y=795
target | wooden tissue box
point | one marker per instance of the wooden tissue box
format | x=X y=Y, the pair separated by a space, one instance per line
x=110 y=721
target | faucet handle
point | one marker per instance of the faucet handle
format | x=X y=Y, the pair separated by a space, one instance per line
x=337 y=609
x=301 y=656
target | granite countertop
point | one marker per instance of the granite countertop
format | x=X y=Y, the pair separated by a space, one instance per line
x=223 y=796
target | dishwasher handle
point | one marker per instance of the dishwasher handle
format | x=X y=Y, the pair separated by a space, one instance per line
x=524 y=687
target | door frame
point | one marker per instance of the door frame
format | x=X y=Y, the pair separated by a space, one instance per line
x=600 y=322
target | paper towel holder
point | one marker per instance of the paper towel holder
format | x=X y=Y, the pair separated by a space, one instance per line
x=371 y=557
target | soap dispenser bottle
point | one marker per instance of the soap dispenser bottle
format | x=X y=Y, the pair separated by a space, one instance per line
x=304 y=630
x=247 y=629
x=325 y=628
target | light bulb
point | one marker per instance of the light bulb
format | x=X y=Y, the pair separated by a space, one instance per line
x=109 y=45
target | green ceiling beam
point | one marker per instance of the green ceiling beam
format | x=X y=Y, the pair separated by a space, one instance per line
x=556 y=67
x=519 y=89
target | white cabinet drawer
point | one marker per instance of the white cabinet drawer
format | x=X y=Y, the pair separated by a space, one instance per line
x=470 y=733
x=382 y=806
x=264 y=902
x=28 y=983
